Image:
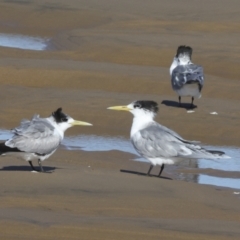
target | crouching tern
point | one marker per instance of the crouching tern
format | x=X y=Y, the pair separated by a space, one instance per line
x=158 y=144
x=187 y=78
x=39 y=138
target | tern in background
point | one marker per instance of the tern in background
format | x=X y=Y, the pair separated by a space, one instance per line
x=187 y=78
x=39 y=138
x=158 y=144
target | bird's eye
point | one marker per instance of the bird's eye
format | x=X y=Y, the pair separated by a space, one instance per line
x=64 y=119
x=136 y=105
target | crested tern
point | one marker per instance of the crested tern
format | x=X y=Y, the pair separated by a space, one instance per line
x=157 y=143
x=39 y=138
x=187 y=78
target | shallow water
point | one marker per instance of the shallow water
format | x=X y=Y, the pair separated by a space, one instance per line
x=100 y=143
x=23 y=42
x=107 y=143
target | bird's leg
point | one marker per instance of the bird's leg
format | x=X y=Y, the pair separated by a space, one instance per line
x=150 y=169
x=40 y=165
x=179 y=99
x=33 y=168
x=162 y=167
x=192 y=102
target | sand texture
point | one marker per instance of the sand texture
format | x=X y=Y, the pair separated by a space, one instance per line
x=104 y=53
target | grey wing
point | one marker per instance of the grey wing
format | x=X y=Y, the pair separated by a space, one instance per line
x=35 y=136
x=157 y=141
x=191 y=73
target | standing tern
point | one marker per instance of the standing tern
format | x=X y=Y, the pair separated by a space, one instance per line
x=39 y=138
x=187 y=78
x=158 y=144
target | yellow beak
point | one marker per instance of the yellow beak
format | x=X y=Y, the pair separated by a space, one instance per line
x=75 y=122
x=120 y=108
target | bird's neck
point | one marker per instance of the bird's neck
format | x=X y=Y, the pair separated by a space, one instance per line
x=57 y=129
x=184 y=60
x=140 y=122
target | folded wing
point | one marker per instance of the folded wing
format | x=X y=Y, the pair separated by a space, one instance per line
x=156 y=141
x=35 y=136
x=187 y=74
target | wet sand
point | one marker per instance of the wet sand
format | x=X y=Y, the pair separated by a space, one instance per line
x=106 y=53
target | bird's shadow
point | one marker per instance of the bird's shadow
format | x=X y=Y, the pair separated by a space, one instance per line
x=143 y=174
x=27 y=169
x=175 y=104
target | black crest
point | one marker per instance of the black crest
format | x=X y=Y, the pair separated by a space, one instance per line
x=184 y=50
x=59 y=116
x=147 y=105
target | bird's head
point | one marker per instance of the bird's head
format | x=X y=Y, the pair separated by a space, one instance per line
x=64 y=121
x=140 y=108
x=184 y=54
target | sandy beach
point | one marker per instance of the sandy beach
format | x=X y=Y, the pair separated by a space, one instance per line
x=106 y=53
